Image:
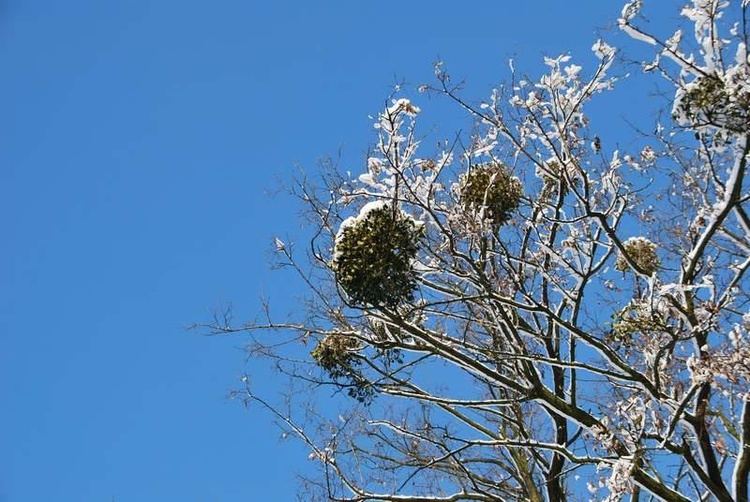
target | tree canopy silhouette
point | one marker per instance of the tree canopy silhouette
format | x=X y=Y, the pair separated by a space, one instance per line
x=525 y=312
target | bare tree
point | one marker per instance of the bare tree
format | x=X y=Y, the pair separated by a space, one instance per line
x=522 y=313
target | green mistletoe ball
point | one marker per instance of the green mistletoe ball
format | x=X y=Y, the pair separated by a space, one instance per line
x=374 y=256
x=642 y=252
x=492 y=191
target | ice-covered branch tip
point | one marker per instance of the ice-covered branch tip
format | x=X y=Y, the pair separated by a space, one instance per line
x=602 y=50
x=403 y=105
x=279 y=244
x=391 y=120
x=630 y=10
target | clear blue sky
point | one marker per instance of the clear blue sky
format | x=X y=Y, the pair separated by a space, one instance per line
x=138 y=142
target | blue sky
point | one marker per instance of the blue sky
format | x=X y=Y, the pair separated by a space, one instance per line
x=139 y=142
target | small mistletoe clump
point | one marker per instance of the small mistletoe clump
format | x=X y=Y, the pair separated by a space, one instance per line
x=490 y=190
x=335 y=354
x=374 y=255
x=634 y=319
x=642 y=252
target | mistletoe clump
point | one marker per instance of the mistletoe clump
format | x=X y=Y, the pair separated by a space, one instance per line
x=490 y=190
x=637 y=318
x=374 y=255
x=337 y=355
x=709 y=100
x=642 y=252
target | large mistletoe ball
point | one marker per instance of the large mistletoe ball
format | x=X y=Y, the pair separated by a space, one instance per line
x=374 y=255
x=491 y=191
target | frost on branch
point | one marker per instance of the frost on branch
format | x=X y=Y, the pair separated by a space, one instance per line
x=620 y=481
x=726 y=366
x=602 y=50
x=374 y=254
